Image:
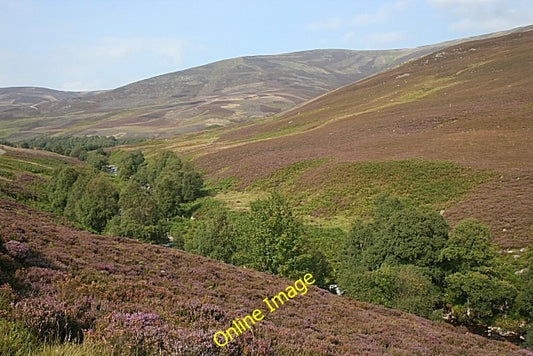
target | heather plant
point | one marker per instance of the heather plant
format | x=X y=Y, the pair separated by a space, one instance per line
x=142 y=333
x=191 y=312
x=17 y=250
x=52 y=320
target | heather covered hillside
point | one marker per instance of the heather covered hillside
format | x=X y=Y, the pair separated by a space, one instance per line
x=126 y=297
x=390 y=216
x=460 y=117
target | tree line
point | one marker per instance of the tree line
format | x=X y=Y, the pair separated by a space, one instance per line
x=407 y=259
x=136 y=204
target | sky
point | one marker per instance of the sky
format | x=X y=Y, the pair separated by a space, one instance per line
x=82 y=45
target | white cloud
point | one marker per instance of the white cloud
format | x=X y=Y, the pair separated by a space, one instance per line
x=375 y=40
x=383 y=14
x=485 y=15
x=166 y=50
x=330 y=24
x=386 y=38
x=115 y=61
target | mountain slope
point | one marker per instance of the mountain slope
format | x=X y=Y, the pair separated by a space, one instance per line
x=129 y=293
x=468 y=104
x=212 y=95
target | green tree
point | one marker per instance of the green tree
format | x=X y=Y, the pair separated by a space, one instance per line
x=468 y=247
x=148 y=173
x=60 y=185
x=128 y=225
x=139 y=215
x=398 y=234
x=477 y=297
x=525 y=296
x=274 y=242
x=75 y=193
x=404 y=287
x=129 y=164
x=96 y=159
x=79 y=152
x=191 y=185
x=140 y=202
x=356 y=254
x=97 y=204
x=409 y=236
x=167 y=192
x=393 y=259
x=275 y=234
x=215 y=237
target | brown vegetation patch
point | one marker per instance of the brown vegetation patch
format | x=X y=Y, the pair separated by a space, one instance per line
x=504 y=203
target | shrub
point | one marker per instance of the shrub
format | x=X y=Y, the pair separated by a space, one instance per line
x=51 y=320
x=17 y=250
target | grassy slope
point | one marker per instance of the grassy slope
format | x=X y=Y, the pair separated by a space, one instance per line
x=24 y=173
x=469 y=104
x=197 y=296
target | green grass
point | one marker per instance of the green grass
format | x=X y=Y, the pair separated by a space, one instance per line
x=326 y=190
x=23 y=175
x=17 y=340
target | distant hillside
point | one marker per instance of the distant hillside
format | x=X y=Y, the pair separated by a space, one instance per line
x=208 y=96
x=136 y=297
x=215 y=94
x=22 y=101
x=469 y=104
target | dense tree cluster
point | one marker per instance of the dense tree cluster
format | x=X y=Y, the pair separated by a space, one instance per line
x=269 y=238
x=138 y=205
x=74 y=146
x=404 y=258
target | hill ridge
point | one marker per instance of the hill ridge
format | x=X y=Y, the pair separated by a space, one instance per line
x=216 y=94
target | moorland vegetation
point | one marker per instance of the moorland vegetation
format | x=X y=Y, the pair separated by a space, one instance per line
x=401 y=256
x=385 y=188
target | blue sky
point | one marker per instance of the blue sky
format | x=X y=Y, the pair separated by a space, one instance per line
x=103 y=44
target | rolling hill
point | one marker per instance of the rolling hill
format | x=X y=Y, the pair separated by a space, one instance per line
x=469 y=104
x=216 y=94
